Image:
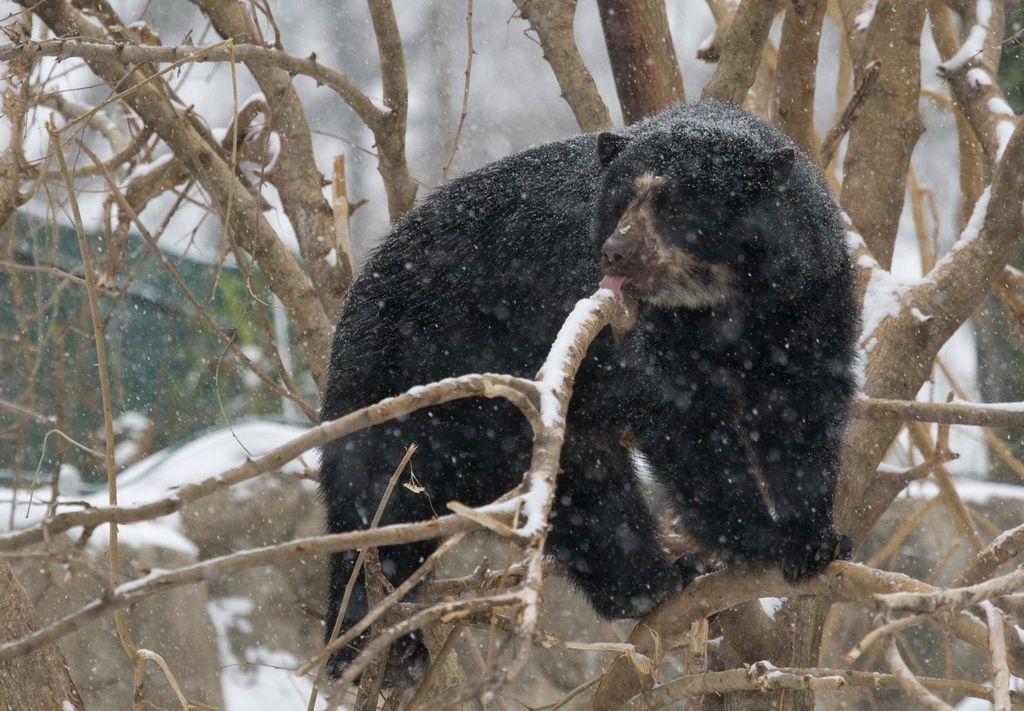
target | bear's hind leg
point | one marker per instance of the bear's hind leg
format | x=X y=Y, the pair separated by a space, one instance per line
x=607 y=539
x=700 y=456
x=353 y=476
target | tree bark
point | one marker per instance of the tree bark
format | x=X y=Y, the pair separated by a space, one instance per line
x=552 y=20
x=741 y=52
x=643 y=60
x=798 y=53
x=39 y=680
x=884 y=131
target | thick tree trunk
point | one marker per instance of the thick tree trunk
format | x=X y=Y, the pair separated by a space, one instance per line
x=647 y=77
x=39 y=680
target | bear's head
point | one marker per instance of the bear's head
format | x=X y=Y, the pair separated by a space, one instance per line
x=673 y=212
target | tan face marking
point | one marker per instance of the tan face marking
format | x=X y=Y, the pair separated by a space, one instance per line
x=661 y=273
x=648 y=181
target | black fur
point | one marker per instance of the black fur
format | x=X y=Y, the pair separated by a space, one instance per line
x=479 y=278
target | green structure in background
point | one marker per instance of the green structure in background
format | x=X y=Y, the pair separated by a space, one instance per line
x=164 y=362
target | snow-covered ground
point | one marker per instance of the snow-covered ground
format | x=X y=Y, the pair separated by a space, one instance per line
x=157 y=477
x=262 y=679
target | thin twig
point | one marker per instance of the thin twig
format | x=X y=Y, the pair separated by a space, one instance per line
x=387 y=409
x=465 y=90
x=137 y=590
x=952 y=599
x=201 y=311
x=322 y=657
x=830 y=143
x=104 y=373
x=139 y=677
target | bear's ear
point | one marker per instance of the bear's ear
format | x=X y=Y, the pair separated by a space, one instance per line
x=608 y=146
x=781 y=160
x=778 y=163
x=773 y=168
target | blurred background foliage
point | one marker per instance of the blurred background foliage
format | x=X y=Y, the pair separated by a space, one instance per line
x=165 y=365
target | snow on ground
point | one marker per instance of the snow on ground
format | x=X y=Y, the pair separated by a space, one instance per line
x=263 y=680
x=157 y=477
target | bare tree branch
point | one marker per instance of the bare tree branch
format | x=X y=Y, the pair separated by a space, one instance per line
x=643 y=59
x=945 y=297
x=741 y=51
x=294 y=173
x=456 y=388
x=722 y=590
x=401 y=188
x=552 y=20
x=883 y=133
x=798 y=53
x=972 y=70
x=187 y=138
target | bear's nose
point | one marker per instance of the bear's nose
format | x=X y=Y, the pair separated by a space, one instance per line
x=615 y=249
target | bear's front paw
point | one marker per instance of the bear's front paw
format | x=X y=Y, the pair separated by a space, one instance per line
x=804 y=557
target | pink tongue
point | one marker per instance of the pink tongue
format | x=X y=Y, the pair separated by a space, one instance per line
x=615 y=283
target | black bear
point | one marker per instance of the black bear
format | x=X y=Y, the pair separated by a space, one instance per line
x=734 y=383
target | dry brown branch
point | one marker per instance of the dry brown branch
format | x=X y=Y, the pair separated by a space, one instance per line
x=132 y=217
x=380 y=608
x=418 y=398
x=142 y=588
x=468 y=73
x=436 y=668
x=446 y=611
x=187 y=138
x=995 y=443
x=390 y=136
x=97 y=121
x=294 y=172
x=99 y=340
x=36 y=417
x=139 y=677
x=798 y=53
x=1003 y=549
x=971 y=72
x=103 y=49
x=722 y=11
x=884 y=629
x=952 y=599
x=907 y=527
x=1010 y=414
x=320 y=661
x=342 y=211
x=719 y=591
x=830 y=143
x=763 y=676
x=643 y=59
x=741 y=51
x=884 y=132
x=480 y=580
x=997 y=650
x=264 y=62
x=552 y=390
x=552 y=20
x=947 y=488
x=948 y=294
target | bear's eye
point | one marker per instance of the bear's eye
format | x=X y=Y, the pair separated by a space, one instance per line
x=619 y=200
x=673 y=197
